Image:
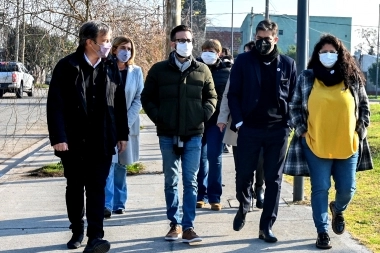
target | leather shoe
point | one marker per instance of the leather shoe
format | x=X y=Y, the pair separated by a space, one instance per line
x=259 y=192
x=75 y=241
x=267 y=235
x=97 y=245
x=338 y=224
x=239 y=221
x=107 y=213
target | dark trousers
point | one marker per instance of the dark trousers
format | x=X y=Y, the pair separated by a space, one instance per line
x=258 y=173
x=90 y=174
x=249 y=143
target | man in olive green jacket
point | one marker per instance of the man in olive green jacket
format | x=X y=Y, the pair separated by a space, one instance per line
x=179 y=96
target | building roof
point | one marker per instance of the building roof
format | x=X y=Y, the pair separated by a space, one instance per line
x=221 y=29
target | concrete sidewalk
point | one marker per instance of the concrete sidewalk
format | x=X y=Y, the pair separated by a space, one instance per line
x=33 y=214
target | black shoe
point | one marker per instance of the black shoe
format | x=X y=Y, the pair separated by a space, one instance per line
x=97 y=245
x=259 y=192
x=239 y=221
x=225 y=149
x=338 y=225
x=267 y=235
x=107 y=213
x=323 y=241
x=120 y=211
x=75 y=241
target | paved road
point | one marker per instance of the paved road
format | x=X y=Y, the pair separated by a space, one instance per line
x=22 y=124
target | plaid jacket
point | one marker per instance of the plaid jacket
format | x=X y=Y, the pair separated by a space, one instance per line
x=295 y=163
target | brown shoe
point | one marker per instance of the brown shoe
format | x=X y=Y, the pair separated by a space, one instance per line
x=216 y=206
x=190 y=236
x=174 y=233
x=200 y=204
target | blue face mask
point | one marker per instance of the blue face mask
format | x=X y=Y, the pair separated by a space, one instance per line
x=123 y=55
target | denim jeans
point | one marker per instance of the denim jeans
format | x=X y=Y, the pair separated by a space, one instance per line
x=190 y=165
x=343 y=172
x=116 y=187
x=210 y=169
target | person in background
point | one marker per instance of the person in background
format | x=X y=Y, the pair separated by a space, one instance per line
x=228 y=60
x=249 y=46
x=124 y=50
x=330 y=115
x=179 y=96
x=210 y=169
x=262 y=82
x=85 y=93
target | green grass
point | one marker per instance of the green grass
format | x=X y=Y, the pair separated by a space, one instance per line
x=50 y=170
x=362 y=215
x=41 y=86
x=135 y=168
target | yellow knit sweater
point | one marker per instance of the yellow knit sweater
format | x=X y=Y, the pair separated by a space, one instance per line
x=331 y=122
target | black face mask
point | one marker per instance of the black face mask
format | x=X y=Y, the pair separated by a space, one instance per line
x=263 y=46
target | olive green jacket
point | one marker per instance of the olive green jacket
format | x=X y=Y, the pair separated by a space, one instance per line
x=179 y=102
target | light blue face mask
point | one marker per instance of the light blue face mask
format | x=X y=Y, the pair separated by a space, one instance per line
x=123 y=55
x=328 y=59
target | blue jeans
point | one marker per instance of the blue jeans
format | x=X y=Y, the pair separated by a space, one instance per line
x=116 y=187
x=210 y=169
x=343 y=172
x=190 y=165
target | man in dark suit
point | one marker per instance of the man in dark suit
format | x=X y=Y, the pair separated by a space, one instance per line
x=87 y=118
x=261 y=85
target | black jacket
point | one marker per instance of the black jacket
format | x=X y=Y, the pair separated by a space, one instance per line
x=67 y=117
x=220 y=74
x=245 y=80
x=179 y=102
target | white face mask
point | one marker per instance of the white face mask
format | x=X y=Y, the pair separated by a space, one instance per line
x=328 y=59
x=184 y=49
x=209 y=57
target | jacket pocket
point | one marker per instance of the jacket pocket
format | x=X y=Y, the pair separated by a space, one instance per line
x=195 y=114
x=167 y=116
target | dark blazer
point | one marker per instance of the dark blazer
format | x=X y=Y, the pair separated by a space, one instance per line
x=245 y=81
x=67 y=116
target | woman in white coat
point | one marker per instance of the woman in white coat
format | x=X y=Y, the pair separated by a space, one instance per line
x=124 y=50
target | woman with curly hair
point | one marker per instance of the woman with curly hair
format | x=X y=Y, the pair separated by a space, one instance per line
x=329 y=113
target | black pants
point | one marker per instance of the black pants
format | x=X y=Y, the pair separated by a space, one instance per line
x=90 y=174
x=259 y=173
x=274 y=143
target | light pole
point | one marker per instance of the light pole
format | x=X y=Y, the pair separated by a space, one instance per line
x=232 y=29
x=377 y=59
x=191 y=14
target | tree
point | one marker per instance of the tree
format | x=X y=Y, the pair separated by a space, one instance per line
x=372 y=73
x=368 y=40
x=292 y=52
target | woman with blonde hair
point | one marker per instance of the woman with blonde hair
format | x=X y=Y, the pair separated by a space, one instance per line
x=124 y=50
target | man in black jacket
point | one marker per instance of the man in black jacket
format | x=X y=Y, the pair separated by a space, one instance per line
x=87 y=118
x=179 y=96
x=261 y=85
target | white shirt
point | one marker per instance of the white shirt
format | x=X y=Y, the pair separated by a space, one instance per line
x=88 y=61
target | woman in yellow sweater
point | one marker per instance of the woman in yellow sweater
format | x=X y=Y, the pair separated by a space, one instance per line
x=329 y=113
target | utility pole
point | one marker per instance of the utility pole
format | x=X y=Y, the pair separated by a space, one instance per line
x=232 y=29
x=377 y=60
x=250 y=33
x=266 y=9
x=302 y=55
x=173 y=19
x=191 y=14
x=17 y=40
x=23 y=34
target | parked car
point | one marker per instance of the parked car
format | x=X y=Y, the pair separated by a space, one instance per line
x=14 y=77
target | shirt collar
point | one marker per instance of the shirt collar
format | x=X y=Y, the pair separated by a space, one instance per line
x=88 y=61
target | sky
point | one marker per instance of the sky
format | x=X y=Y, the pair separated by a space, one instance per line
x=364 y=13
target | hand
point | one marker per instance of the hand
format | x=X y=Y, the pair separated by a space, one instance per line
x=61 y=146
x=121 y=146
x=221 y=126
x=304 y=134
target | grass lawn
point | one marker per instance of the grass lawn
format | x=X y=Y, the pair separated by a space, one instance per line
x=363 y=214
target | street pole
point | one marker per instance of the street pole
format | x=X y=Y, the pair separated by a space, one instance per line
x=266 y=9
x=191 y=14
x=250 y=33
x=17 y=40
x=23 y=34
x=232 y=29
x=377 y=59
x=302 y=54
x=173 y=19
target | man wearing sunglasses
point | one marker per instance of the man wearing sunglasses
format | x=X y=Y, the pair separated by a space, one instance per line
x=179 y=96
